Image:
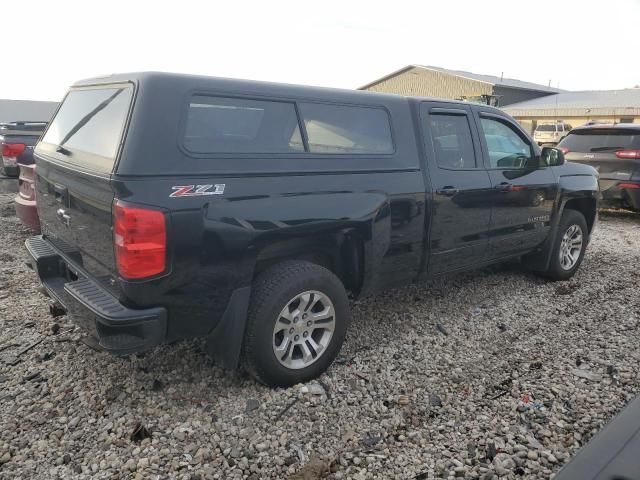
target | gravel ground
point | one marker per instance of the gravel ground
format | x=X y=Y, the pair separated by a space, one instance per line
x=494 y=373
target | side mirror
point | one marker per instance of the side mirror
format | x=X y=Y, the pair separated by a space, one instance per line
x=551 y=157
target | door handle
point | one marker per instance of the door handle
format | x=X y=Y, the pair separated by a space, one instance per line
x=447 y=191
x=504 y=187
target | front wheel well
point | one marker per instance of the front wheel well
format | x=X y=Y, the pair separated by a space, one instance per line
x=586 y=206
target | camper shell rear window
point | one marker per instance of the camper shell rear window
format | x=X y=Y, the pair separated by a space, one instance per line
x=87 y=129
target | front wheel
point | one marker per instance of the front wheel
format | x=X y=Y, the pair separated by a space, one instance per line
x=297 y=321
x=569 y=246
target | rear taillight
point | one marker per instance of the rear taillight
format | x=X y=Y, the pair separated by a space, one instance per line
x=12 y=149
x=564 y=150
x=628 y=154
x=629 y=185
x=140 y=237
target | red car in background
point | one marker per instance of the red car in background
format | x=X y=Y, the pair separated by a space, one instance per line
x=25 y=201
x=17 y=140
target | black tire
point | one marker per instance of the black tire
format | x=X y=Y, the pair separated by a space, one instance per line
x=569 y=219
x=272 y=291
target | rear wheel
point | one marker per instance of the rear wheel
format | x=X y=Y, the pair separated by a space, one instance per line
x=297 y=321
x=569 y=247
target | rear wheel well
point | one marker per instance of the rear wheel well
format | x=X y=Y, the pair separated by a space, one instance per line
x=340 y=253
x=586 y=206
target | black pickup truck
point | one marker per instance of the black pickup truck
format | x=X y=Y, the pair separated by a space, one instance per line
x=177 y=206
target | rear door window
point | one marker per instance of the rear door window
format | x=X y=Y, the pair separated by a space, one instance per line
x=601 y=140
x=346 y=129
x=238 y=125
x=88 y=127
x=452 y=141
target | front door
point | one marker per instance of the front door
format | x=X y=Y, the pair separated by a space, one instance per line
x=461 y=189
x=524 y=190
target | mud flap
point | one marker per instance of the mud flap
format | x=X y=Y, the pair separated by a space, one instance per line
x=224 y=343
x=539 y=260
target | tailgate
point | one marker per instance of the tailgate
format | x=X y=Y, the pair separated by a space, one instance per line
x=608 y=165
x=74 y=160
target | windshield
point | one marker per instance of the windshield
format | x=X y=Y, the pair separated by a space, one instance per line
x=546 y=128
x=91 y=122
x=609 y=139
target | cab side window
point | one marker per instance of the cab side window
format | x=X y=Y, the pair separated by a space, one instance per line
x=345 y=129
x=452 y=141
x=506 y=148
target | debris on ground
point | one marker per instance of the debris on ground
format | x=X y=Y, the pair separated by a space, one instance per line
x=251 y=405
x=314 y=469
x=92 y=342
x=313 y=388
x=140 y=432
x=441 y=329
x=157 y=385
x=587 y=375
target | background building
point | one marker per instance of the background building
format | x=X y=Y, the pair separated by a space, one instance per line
x=578 y=108
x=26 y=110
x=438 y=82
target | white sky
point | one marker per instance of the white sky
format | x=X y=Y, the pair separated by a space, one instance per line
x=575 y=44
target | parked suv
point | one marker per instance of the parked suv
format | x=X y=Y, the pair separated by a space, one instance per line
x=613 y=150
x=551 y=133
x=249 y=213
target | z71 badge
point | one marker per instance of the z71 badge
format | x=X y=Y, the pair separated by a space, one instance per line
x=197 y=190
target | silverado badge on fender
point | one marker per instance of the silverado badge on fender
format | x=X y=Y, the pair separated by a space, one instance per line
x=197 y=190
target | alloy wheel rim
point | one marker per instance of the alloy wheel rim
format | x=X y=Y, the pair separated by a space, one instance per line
x=303 y=330
x=570 y=247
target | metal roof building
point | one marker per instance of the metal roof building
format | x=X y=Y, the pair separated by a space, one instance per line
x=578 y=108
x=428 y=81
x=605 y=103
x=26 y=110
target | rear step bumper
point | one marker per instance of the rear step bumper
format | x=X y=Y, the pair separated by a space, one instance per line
x=120 y=330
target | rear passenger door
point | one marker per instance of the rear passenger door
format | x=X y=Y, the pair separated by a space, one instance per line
x=524 y=190
x=461 y=188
